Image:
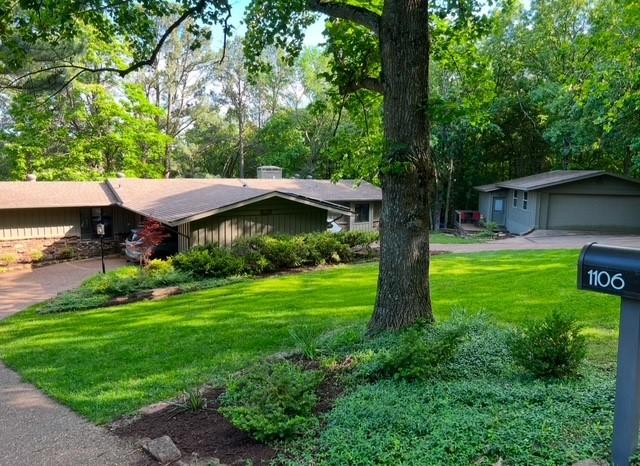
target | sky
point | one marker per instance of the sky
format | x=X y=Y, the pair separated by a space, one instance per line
x=313 y=35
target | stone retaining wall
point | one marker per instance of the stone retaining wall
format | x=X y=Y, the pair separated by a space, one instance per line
x=34 y=251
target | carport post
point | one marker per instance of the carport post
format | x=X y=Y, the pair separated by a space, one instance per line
x=627 y=411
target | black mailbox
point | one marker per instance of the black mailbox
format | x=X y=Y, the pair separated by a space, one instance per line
x=610 y=269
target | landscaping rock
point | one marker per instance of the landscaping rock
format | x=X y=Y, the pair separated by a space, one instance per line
x=154 y=408
x=163 y=449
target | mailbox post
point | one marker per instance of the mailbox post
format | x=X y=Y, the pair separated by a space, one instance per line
x=616 y=270
x=100 y=232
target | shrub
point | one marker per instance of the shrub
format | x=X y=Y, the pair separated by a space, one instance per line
x=36 y=256
x=255 y=262
x=67 y=253
x=422 y=353
x=325 y=248
x=282 y=252
x=357 y=238
x=550 y=348
x=159 y=267
x=8 y=259
x=118 y=282
x=272 y=401
x=211 y=261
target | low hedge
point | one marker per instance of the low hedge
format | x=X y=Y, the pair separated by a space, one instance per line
x=271 y=254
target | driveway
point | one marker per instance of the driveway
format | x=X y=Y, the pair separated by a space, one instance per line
x=35 y=430
x=543 y=239
x=23 y=288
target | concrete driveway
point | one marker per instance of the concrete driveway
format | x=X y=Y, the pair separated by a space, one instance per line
x=35 y=430
x=23 y=288
x=544 y=239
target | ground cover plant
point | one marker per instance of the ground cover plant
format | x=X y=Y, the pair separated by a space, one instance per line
x=474 y=406
x=109 y=362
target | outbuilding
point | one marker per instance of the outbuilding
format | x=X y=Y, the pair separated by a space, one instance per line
x=581 y=200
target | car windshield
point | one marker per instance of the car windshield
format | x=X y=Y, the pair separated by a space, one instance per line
x=133 y=236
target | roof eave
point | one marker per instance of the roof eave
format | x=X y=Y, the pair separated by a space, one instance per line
x=329 y=206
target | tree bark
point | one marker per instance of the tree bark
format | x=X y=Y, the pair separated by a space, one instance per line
x=407 y=173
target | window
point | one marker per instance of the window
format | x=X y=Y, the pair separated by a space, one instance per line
x=515 y=198
x=89 y=219
x=362 y=213
x=525 y=200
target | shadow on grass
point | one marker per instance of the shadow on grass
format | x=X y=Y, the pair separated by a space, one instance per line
x=109 y=362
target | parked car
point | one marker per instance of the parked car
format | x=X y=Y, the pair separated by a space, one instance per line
x=133 y=246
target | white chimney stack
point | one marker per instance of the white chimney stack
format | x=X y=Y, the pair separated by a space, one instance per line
x=269 y=172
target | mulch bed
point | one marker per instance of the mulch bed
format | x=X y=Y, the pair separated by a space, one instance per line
x=205 y=433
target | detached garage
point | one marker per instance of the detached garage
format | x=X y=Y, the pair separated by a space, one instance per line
x=583 y=200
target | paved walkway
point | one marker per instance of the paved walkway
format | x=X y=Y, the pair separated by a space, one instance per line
x=35 y=430
x=543 y=239
x=23 y=288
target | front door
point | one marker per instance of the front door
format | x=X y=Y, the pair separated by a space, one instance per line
x=497 y=212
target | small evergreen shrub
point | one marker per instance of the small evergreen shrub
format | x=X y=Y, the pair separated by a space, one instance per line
x=326 y=248
x=210 y=261
x=550 y=348
x=357 y=238
x=255 y=262
x=422 y=353
x=272 y=401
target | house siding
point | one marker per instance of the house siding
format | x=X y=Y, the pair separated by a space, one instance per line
x=519 y=220
x=37 y=235
x=39 y=223
x=269 y=217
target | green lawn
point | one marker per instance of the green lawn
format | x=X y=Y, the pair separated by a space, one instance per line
x=109 y=362
x=443 y=238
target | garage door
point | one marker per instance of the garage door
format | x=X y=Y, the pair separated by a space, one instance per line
x=594 y=212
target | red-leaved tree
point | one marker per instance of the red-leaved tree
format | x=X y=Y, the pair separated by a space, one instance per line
x=153 y=234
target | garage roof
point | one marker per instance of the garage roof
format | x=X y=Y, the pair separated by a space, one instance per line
x=548 y=179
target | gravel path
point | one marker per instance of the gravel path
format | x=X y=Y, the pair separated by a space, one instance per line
x=35 y=430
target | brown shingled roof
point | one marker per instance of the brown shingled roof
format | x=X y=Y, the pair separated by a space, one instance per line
x=548 y=179
x=42 y=194
x=178 y=200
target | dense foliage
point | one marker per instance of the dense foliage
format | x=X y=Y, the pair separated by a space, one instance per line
x=210 y=266
x=272 y=401
x=523 y=90
x=272 y=253
x=553 y=347
x=478 y=410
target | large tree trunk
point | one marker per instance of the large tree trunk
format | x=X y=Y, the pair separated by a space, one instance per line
x=407 y=172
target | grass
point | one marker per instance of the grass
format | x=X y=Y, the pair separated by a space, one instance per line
x=109 y=362
x=444 y=238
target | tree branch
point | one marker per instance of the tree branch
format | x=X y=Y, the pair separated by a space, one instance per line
x=358 y=15
x=369 y=83
x=120 y=71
